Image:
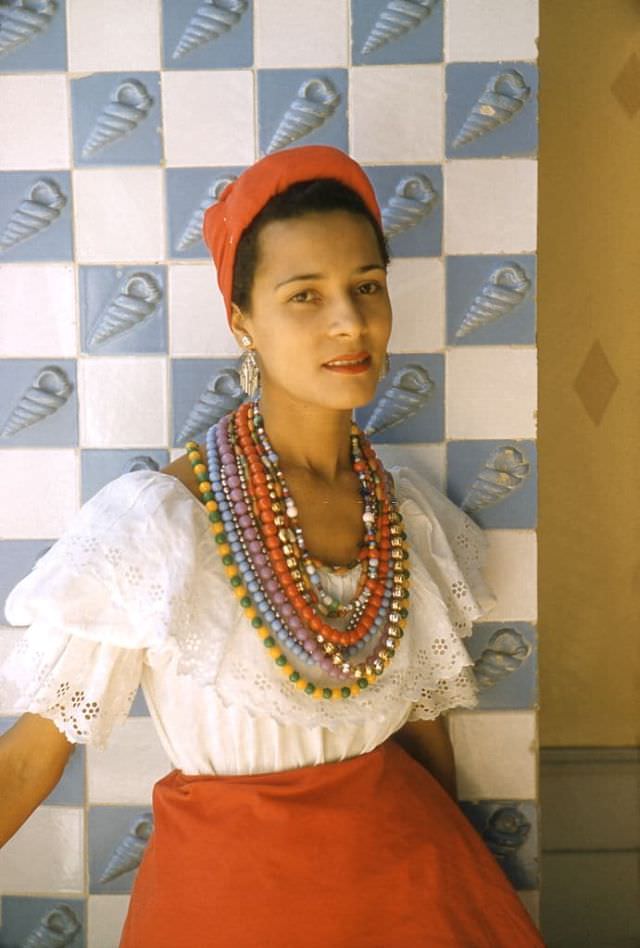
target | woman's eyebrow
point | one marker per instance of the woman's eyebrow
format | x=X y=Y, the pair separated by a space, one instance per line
x=321 y=276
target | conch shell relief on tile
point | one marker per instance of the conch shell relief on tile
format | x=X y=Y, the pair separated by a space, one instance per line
x=505 y=289
x=41 y=207
x=192 y=233
x=50 y=390
x=141 y=462
x=56 y=929
x=502 y=99
x=317 y=99
x=414 y=199
x=135 y=302
x=504 y=654
x=222 y=394
x=22 y=20
x=505 y=470
x=409 y=391
x=505 y=831
x=397 y=18
x=212 y=19
x=129 y=852
x=129 y=106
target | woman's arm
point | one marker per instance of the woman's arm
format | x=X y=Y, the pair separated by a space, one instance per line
x=429 y=743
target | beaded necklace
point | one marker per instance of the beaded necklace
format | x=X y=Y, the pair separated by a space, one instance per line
x=254 y=521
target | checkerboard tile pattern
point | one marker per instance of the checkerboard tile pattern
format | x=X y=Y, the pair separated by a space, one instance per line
x=117 y=131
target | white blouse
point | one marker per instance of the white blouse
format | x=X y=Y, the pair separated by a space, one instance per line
x=134 y=593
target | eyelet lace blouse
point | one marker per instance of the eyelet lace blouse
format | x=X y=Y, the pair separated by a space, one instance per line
x=134 y=593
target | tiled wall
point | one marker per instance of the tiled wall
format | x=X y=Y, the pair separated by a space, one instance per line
x=129 y=358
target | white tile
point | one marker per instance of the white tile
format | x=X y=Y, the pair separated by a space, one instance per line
x=126 y=770
x=494 y=30
x=106 y=918
x=37 y=311
x=127 y=38
x=34 y=122
x=396 y=113
x=496 y=754
x=530 y=898
x=305 y=33
x=198 y=320
x=416 y=287
x=428 y=460
x=119 y=215
x=490 y=205
x=22 y=519
x=512 y=572
x=208 y=117
x=46 y=855
x=123 y=402
x=491 y=392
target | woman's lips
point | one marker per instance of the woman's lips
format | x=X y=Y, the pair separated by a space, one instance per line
x=350 y=365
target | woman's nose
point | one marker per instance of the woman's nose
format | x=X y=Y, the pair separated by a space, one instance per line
x=346 y=315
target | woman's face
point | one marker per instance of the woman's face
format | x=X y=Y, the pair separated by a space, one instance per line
x=319 y=295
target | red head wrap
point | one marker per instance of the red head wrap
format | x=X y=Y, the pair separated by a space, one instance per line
x=243 y=199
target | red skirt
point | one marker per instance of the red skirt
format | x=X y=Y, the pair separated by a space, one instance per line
x=369 y=851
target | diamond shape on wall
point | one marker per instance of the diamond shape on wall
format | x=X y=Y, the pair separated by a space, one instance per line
x=626 y=85
x=596 y=382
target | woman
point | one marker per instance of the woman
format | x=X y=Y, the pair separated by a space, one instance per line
x=294 y=615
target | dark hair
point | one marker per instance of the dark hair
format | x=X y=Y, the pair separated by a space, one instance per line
x=303 y=197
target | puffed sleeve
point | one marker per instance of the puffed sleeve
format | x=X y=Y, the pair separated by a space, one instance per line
x=92 y=605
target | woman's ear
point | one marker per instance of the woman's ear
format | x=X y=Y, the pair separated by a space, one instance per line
x=238 y=323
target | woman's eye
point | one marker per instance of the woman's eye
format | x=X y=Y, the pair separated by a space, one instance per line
x=300 y=297
x=370 y=287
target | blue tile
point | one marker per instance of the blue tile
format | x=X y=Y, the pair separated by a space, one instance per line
x=224 y=38
x=69 y=791
x=23 y=916
x=42 y=28
x=411 y=35
x=117 y=118
x=17 y=558
x=117 y=840
x=491 y=299
x=410 y=198
x=279 y=114
x=43 y=391
x=35 y=215
x=189 y=192
x=416 y=399
x=139 y=707
x=506 y=664
x=123 y=309
x=98 y=466
x=491 y=109
x=510 y=830
x=501 y=474
x=203 y=391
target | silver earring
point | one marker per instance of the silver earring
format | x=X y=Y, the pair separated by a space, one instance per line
x=384 y=368
x=249 y=370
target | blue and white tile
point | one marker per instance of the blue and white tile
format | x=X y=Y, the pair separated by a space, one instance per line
x=427 y=460
x=38 y=311
x=506 y=664
x=23 y=519
x=304 y=34
x=139 y=707
x=416 y=289
x=47 y=236
x=495 y=753
x=17 y=558
x=414 y=232
x=190 y=191
x=99 y=467
x=208 y=117
x=126 y=770
x=128 y=38
x=491 y=300
x=409 y=402
x=491 y=206
x=190 y=378
x=383 y=34
x=117 y=840
x=495 y=481
x=38 y=403
x=196 y=35
x=117 y=119
x=397 y=113
x=40 y=921
x=511 y=570
x=123 y=402
x=42 y=34
x=198 y=325
x=119 y=215
x=34 y=122
x=491 y=392
x=492 y=30
x=284 y=113
x=123 y=309
x=69 y=791
x=46 y=855
x=530 y=898
x=510 y=830
x=106 y=919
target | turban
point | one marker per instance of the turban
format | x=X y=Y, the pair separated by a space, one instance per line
x=244 y=198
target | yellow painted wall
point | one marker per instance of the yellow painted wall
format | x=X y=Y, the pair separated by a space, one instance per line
x=589 y=345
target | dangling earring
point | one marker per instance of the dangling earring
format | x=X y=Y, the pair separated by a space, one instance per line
x=249 y=370
x=384 y=368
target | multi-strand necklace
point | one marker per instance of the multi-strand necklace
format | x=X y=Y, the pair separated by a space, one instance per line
x=255 y=524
